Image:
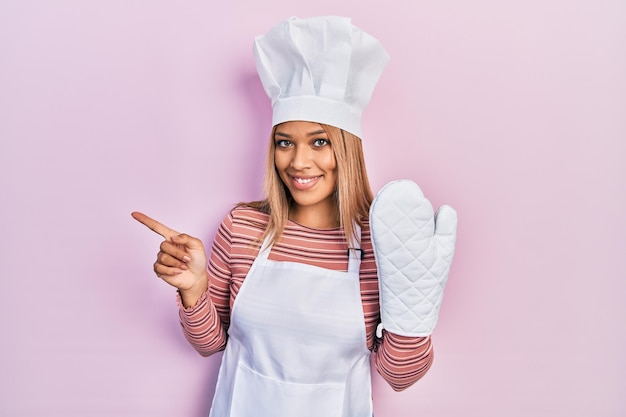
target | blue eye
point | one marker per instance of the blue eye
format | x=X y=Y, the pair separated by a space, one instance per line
x=320 y=142
x=282 y=143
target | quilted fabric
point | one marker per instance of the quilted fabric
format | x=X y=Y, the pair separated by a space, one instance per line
x=413 y=249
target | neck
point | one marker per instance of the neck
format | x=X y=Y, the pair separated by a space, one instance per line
x=314 y=217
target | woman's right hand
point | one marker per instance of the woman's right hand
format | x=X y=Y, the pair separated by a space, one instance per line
x=181 y=261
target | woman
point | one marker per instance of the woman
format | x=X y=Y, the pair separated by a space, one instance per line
x=290 y=291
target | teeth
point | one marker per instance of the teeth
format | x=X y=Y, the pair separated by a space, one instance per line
x=304 y=180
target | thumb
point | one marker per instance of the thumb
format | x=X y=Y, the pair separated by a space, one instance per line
x=445 y=231
x=187 y=241
x=445 y=223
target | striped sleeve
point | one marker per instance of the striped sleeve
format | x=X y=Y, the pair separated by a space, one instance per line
x=204 y=325
x=402 y=361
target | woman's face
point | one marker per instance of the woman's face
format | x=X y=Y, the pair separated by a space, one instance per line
x=306 y=164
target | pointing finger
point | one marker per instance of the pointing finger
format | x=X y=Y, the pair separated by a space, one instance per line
x=154 y=225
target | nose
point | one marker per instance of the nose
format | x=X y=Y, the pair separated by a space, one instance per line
x=301 y=158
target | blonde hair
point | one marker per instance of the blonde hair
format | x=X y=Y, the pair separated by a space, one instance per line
x=353 y=195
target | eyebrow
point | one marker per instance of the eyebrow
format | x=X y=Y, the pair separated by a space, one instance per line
x=314 y=133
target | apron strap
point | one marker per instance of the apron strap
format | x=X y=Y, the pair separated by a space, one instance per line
x=355 y=254
x=265 y=250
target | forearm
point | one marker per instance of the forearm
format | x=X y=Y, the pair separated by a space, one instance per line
x=190 y=297
x=202 y=326
x=402 y=360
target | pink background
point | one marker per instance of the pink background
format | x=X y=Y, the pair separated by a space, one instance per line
x=513 y=112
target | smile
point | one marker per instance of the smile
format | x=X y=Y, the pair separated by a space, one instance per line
x=304 y=180
x=304 y=183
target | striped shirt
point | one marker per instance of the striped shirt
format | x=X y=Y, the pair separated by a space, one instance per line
x=400 y=360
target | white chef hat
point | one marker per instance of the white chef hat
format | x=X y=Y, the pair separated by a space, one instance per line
x=320 y=69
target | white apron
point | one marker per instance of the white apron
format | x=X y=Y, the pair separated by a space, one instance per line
x=297 y=344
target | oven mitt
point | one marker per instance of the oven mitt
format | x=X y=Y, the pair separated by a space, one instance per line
x=413 y=250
